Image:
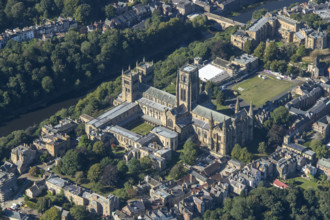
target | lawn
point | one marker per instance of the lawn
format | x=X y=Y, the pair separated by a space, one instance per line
x=142 y=129
x=170 y=89
x=259 y=90
x=222 y=108
x=303 y=183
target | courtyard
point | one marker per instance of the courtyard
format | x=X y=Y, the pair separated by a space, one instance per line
x=141 y=128
x=259 y=90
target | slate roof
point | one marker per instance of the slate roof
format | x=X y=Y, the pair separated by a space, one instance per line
x=206 y=113
x=158 y=94
x=103 y=119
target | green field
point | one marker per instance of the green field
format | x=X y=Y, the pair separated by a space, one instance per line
x=303 y=183
x=142 y=128
x=259 y=90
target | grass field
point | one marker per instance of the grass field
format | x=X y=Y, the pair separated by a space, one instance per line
x=170 y=89
x=303 y=183
x=260 y=91
x=142 y=128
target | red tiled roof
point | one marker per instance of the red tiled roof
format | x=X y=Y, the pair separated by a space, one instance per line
x=280 y=184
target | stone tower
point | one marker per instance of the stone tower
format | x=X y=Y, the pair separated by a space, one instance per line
x=251 y=121
x=146 y=72
x=130 y=85
x=237 y=106
x=188 y=86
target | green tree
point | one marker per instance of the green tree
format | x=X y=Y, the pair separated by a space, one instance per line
x=79 y=177
x=220 y=98
x=85 y=142
x=270 y=52
x=83 y=13
x=236 y=152
x=248 y=47
x=301 y=51
x=99 y=148
x=146 y=163
x=79 y=212
x=70 y=163
x=262 y=148
x=122 y=167
x=260 y=50
x=110 y=11
x=245 y=155
x=47 y=84
x=44 y=157
x=134 y=166
x=110 y=175
x=319 y=148
x=52 y=214
x=189 y=153
x=43 y=204
x=177 y=171
x=94 y=172
x=280 y=116
x=259 y=13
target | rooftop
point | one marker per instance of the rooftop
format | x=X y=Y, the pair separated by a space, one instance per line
x=124 y=132
x=206 y=113
x=188 y=68
x=103 y=119
x=324 y=162
x=245 y=59
x=258 y=24
x=158 y=94
x=287 y=20
x=210 y=71
x=165 y=132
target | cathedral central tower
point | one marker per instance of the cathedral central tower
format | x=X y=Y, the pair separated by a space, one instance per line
x=187 y=88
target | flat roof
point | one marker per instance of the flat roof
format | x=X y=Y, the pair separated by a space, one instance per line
x=210 y=71
x=188 y=68
x=245 y=59
x=111 y=114
x=165 y=132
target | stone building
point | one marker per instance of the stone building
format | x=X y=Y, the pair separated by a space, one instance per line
x=8 y=185
x=322 y=126
x=95 y=203
x=180 y=113
x=22 y=156
x=323 y=165
x=288 y=29
x=55 y=144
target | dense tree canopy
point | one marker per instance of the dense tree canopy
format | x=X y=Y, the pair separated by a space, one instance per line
x=52 y=214
x=70 y=163
x=275 y=203
x=39 y=70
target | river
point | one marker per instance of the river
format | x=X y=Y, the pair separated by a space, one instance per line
x=270 y=6
x=26 y=120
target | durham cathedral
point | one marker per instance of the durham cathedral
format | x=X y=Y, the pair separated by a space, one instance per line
x=182 y=113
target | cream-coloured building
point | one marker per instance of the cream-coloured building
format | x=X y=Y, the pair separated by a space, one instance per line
x=176 y=117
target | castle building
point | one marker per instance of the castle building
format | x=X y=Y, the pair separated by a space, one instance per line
x=288 y=29
x=180 y=113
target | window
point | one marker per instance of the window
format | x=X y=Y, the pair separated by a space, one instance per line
x=183 y=95
x=126 y=82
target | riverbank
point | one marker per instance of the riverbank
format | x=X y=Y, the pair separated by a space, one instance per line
x=33 y=114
